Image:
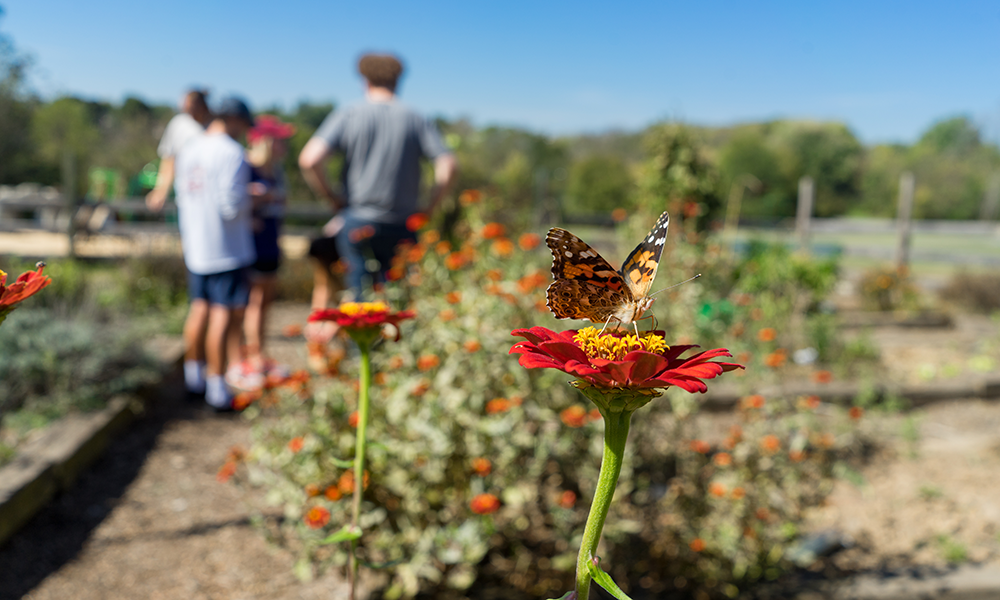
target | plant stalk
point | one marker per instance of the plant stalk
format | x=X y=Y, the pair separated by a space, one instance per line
x=615 y=435
x=359 y=455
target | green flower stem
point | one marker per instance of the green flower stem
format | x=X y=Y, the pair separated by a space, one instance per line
x=616 y=426
x=359 y=453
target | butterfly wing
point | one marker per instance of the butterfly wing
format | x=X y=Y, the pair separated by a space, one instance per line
x=639 y=269
x=585 y=286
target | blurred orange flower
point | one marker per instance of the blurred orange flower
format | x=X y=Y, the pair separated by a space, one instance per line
x=776 y=359
x=856 y=412
x=494 y=274
x=697 y=544
x=738 y=493
x=332 y=492
x=471 y=346
x=396 y=362
x=485 y=504
x=415 y=253
x=770 y=443
x=529 y=241
x=700 y=446
x=822 y=377
x=498 y=405
x=470 y=197
x=295 y=444
x=797 y=455
x=567 y=499
x=428 y=361
x=755 y=401
x=312 y=490
x=443 y=247
x=493 y=230
x=454 y=261
x=574 y=416
x=619 y=214
x=453 y=297
x=317 y=517
x=723 y=459
x=227 y=470
x=766 y=334
x=447 y=315
x=346 y=482
x=421 y=388
x=482 y=466
x=503 y=247
x=352 y=420
x=717 y=489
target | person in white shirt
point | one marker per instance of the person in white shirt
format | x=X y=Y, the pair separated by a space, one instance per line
x=214 y=215
x=184 y=127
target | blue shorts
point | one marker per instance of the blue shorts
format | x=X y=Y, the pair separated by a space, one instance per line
x=229 y=288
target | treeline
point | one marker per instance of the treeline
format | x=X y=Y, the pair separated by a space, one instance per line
x=955 y=168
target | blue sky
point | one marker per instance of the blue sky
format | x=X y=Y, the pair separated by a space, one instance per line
x=887 y=69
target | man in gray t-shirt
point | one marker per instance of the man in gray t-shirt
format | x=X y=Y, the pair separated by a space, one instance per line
x=382 y=142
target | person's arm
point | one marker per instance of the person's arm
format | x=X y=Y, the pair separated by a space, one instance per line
x=236 y=196
x=312 y=161
x=164 y=179
x=445 y=168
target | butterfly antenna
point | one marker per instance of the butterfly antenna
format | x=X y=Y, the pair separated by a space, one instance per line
x=675 y=285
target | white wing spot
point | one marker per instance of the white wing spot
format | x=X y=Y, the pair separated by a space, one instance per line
x=568 y=254
x=587 y=254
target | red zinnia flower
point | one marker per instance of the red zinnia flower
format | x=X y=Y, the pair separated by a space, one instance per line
x=617 y=360
x=26 y=285
x=364 y=319
x=317 y=517
x=484 y=504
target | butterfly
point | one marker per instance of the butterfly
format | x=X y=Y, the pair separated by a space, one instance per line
x=585 y=286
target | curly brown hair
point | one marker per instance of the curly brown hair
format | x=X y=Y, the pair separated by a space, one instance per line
x=381 y=70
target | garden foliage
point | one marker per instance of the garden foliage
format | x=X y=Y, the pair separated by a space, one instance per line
x=482 y=471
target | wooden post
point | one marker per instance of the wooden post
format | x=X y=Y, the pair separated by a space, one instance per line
x=69 y=196
x=804 y=213
x=734 y=204
x=904 y=220
x=991 y=201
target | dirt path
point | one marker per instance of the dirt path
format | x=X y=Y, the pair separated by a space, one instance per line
x=151 y=521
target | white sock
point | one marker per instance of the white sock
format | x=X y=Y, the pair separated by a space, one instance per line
x=194 y=376
x=217 y=392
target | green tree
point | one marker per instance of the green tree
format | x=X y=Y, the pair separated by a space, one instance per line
x=747 y=153
x=599 y=183
x=17 y=152
x=64 y=126
x=827 y=152
x=677 y=176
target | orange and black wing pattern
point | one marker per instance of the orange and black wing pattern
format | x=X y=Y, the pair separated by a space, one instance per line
x=639 y=269
x=585 y=286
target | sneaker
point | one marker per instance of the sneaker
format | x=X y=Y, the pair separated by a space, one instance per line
x=243 y=376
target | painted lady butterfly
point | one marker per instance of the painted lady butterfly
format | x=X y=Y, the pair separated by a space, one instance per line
x=587 y=287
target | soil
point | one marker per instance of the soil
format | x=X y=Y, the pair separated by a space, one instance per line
x=149 y=520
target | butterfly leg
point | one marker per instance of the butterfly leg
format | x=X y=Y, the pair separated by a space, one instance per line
x=608 y=322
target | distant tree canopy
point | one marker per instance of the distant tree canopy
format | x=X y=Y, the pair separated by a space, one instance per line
x=683 y=167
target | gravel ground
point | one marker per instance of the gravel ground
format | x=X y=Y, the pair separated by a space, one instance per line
x=151 y=521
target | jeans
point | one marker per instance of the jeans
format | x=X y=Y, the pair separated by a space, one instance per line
x=360 y=241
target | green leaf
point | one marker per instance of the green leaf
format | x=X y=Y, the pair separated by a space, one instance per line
x=604 y=580
x=343 y=464
x=346 y=533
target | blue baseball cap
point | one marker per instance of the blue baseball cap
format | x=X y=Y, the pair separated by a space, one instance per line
x=233 y=106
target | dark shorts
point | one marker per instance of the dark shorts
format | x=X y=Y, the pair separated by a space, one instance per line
x=324 y=250
x=229 y=288
x=265 y=239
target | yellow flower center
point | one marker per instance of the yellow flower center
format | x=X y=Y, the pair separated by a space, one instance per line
x=354 y=309
x=610 y=346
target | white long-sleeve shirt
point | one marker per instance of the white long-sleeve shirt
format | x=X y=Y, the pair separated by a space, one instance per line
x=213 y=205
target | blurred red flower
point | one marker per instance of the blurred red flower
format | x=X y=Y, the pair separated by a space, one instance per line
x=567 y=499
x=485 y=504
x=498 y=405
x=482 y=466
x=574 y=416
x=295 y=444
x=317 y=517
x=417 y=221
x=470 y=197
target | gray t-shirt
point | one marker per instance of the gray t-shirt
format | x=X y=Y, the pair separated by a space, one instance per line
x=382 y=144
